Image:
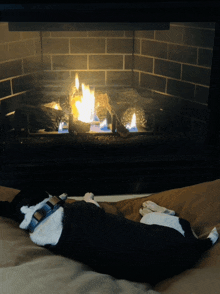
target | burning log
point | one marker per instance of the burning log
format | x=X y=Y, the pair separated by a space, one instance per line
x=78 y=126
x=116 y=118
x=34 y=118
x=125 y=104
x=101 y=101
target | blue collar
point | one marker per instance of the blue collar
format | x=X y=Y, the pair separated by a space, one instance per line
x=48 y=208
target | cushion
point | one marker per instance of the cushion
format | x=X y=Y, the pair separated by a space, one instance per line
x=200 y=205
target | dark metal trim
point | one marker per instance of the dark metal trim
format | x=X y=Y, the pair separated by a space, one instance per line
x=87 y=26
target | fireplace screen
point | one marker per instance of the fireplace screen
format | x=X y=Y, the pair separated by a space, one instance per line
x=116 y=82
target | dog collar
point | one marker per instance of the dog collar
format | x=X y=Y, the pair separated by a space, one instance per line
x=46 y=210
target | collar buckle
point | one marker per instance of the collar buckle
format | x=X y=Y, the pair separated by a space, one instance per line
x=48 y=208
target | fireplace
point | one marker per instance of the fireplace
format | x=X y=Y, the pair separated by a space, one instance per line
x=166 y=72
x=149 y=83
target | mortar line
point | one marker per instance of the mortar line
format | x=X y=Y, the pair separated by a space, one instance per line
x=87 y=61
x=11 y=87
x=174 y=61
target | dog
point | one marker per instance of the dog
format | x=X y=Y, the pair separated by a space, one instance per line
x=158 y=247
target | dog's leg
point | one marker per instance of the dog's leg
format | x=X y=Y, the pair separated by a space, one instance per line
x=213 y=236
x=89 y=197
x=149 y=206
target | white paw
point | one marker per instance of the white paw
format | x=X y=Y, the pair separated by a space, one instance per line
x=149 y=206
x=144 y=211
x=88 y=196
x=24 y=209
x=214 y=235
x=63 y=196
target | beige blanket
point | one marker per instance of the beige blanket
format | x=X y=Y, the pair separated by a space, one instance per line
x=27 y=268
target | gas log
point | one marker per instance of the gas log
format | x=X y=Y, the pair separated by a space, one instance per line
x=123 y=103
x=34 y=118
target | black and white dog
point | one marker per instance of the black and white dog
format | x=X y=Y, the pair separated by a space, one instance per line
x=158 y=247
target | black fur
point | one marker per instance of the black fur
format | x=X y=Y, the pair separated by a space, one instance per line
x=115 y=245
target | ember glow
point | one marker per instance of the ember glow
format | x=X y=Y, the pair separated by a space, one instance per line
x=132 y=127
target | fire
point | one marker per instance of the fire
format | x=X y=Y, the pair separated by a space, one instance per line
x=100 y=128
x=132 y=127
x=133 y=121
x=83 y=104
x=83 y=107
x=76 y=81
x=86 y=107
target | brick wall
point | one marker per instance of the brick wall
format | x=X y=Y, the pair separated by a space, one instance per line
x=98 y=56
x=178 y=61
x=174 y=65
x=19 y=65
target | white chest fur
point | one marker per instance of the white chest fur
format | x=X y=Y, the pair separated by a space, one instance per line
x=162 y=219
x=49 y=230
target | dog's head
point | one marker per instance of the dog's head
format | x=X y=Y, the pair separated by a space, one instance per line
x=27 y=202
x=29 y=211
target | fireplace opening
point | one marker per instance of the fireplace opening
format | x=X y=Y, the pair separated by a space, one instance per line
x=143 y=81
x=99 y=99
x=86 y=110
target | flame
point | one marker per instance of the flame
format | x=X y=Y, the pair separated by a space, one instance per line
x=103 y=124
x=76 y=81
x=132 y=127
x=133 y=121
x=100 y=128
x=83 y=107
x=56 y=107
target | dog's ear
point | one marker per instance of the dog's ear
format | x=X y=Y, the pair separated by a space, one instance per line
x=63 y=196
x=49 y=195
x=24 y=209
x=29 y=196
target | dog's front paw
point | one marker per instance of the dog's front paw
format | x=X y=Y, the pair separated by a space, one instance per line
x=89 y=197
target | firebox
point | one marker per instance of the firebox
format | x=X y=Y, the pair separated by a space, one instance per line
x=121 y=87
x=145 y=81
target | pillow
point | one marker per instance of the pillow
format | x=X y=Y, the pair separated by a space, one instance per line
x=200 y=205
